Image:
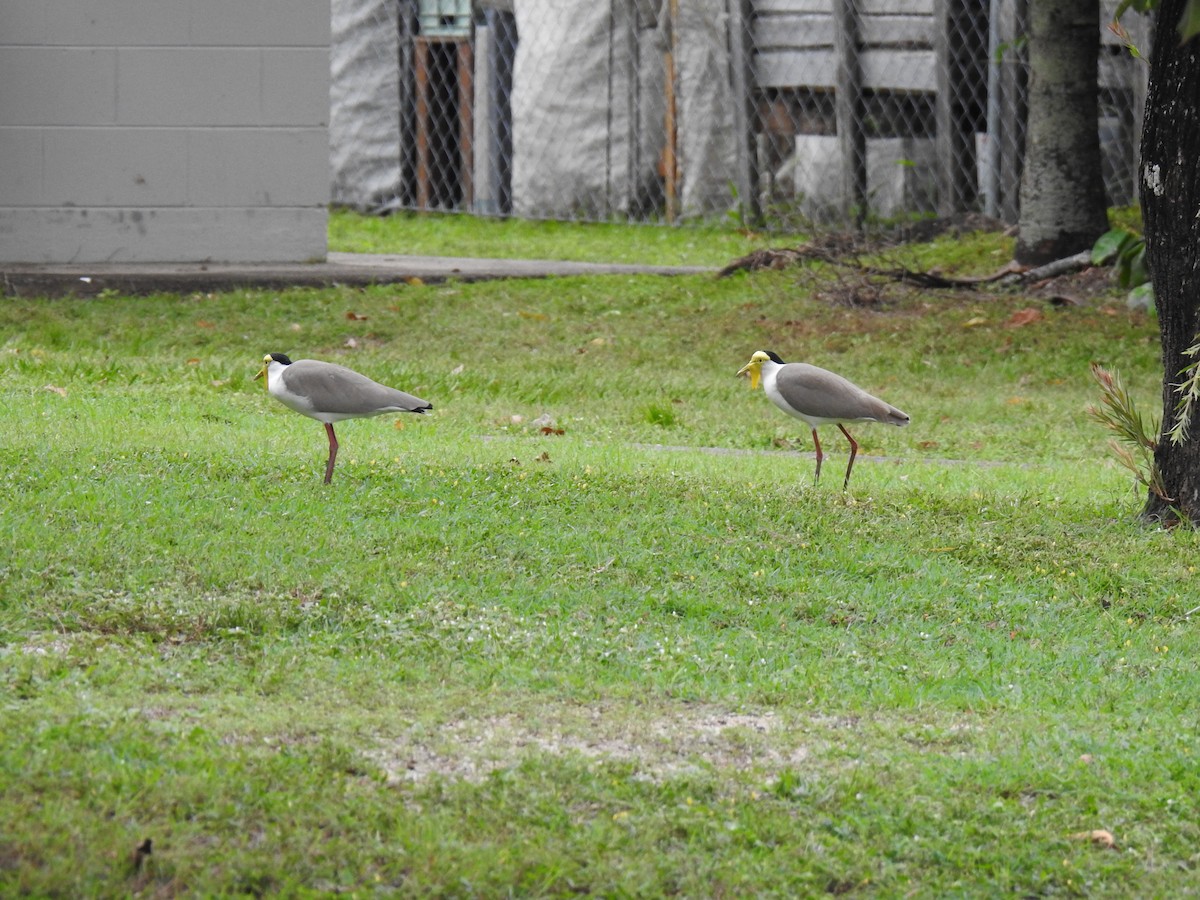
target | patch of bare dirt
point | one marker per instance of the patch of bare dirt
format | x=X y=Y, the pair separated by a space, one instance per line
x=1086 y=287
x=680 y=741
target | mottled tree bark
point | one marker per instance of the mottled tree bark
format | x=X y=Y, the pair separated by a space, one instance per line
x=1063 y=208
x=1170 y=189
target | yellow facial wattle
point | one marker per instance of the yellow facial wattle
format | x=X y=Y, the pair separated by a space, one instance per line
x=754 y=370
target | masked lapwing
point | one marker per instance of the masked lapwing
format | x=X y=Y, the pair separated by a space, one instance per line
x=818 y=397
x=330 y=393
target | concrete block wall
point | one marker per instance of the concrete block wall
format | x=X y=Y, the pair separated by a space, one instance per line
x=164 y=130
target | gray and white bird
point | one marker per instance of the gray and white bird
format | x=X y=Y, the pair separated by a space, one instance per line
x=330 y=393
x=818 y=397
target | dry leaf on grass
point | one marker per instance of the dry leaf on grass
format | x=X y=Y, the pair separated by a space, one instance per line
x=1025 y=316
x=55 y=389
x=1098 y=836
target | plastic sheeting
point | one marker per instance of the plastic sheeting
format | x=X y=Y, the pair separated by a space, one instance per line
x=590 y=78
x=588 y=109
x=705 y=103
x=578 y=90
x=364 y=99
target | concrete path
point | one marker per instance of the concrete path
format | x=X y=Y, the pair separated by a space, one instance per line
x=354 y=269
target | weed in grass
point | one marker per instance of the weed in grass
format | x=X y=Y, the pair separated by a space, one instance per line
x=661 y=415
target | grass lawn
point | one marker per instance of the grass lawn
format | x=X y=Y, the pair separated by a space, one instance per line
x=642 y=657
x=436 y=234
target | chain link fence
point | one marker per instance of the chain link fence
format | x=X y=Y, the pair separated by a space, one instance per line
x=777 y=112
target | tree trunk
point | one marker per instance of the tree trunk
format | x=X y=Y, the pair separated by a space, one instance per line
x=1063 y=207
x=1170 y=188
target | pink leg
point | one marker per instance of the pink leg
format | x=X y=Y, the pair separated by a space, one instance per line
x=820 y=455
x=333 y=445
x=853 y=453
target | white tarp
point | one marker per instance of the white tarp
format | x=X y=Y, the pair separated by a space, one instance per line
x=705 y=103
x=364 y=100
x=588 y=108
x=575 y=104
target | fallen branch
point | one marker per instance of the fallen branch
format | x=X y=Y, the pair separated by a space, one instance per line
x=783 y=257
x=1079 y=261
x=934 y=280
x=1012 y=273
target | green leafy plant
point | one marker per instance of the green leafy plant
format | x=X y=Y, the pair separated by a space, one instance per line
x=1135 y=443
x=1126 y=252
x=1189 y=21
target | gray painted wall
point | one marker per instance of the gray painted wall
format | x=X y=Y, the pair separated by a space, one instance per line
x=164 y=130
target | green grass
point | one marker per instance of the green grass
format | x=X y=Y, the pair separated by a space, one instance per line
x=643 y=657
x=437 y=234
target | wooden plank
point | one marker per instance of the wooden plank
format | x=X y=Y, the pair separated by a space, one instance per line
x=793 y=32
x=866 y=7
x=801 y=32
x=899 y=70
x=893 y=31
x=770 y=7
x=779 y=33
x=794 y=69
x=466 y=125
x=897 y=7
x=883 y=70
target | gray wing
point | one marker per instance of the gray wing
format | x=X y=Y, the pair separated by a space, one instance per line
x=335 y=389
x=822 y=394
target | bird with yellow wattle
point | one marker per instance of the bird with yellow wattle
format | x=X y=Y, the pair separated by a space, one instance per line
x=818 y=397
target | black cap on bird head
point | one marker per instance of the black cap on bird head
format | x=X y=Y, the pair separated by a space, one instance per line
x=774 y=356
x=280 y=358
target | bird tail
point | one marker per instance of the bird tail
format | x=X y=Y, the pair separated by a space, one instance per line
x=896 y=417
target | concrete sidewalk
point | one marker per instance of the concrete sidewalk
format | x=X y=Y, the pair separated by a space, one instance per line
x=353 y=269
